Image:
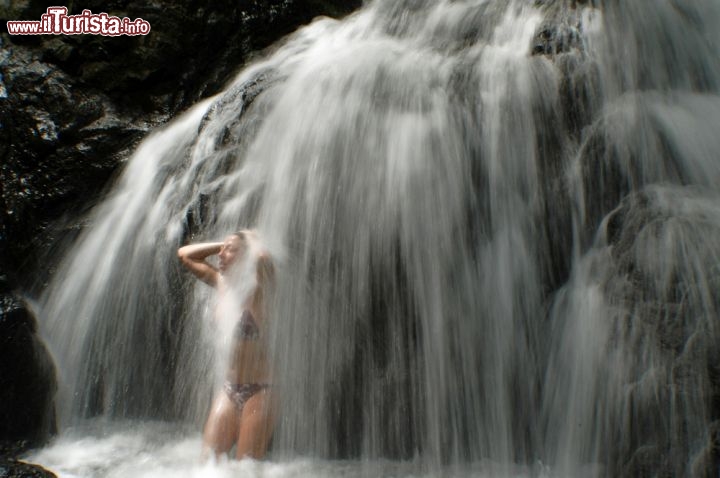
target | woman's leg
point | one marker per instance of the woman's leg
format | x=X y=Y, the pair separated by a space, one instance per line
x=221 y=427
x=256 y=426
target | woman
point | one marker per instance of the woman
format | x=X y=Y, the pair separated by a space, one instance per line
x=242 y=413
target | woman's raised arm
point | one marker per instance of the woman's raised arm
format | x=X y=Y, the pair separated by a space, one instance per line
x=193 y=257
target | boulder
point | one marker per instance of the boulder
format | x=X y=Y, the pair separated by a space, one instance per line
x=664 y=246
x=20 y=469
x=27 y=378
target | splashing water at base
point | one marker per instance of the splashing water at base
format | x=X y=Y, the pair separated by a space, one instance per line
x=157 y=450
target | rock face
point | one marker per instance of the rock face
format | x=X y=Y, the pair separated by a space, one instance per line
x=669 y=333
x=663 y=262
x=59 y=145
x=27 y=378
x=71 y=107
x=19 y=469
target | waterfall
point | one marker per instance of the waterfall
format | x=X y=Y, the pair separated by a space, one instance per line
x=496 y=228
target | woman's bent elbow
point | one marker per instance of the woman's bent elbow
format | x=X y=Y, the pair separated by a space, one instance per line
x=183 y=256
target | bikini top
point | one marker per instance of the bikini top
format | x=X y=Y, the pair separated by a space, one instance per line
x=246 y=328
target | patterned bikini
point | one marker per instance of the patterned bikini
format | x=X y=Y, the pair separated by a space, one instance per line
x=239 y=393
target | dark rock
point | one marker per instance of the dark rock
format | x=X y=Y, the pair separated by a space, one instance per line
x=560 y=39
x=643 y=463
x=27 y=379
x=21 y=469
x=707 y=463
x=561 y=32
x=555 y=39
x=72 y=107
x=60 y=145
x=664 y=251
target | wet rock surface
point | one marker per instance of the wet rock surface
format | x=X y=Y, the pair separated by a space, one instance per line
x=27 y=378
x=60 y=145
x=19 y=469
x=73 y=106
x=668 y=331
x=562 y=29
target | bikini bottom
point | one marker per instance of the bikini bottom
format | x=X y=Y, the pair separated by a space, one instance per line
x=240 y=393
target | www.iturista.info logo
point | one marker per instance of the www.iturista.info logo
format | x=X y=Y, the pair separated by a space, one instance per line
x=57 y=22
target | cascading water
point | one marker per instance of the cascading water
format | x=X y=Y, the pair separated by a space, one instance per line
x=486 y=258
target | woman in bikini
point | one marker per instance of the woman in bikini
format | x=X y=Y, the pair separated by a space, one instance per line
x=242 y=413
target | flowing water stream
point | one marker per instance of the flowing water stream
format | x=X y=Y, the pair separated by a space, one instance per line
x=489 y=262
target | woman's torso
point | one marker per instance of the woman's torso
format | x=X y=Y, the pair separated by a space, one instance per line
x=248 y=351
x=248 y=354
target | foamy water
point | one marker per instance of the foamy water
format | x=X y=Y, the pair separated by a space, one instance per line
x=103 y=449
